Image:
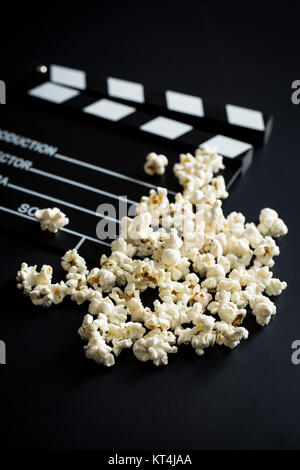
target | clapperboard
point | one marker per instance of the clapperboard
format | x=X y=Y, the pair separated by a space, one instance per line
x=51 y=153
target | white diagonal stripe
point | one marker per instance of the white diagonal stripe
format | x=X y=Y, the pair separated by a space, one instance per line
x=125 y=89
x=63 y=229
x=67 y=76
x=245 y=117
x=60 y=201
x=110 y=110
x=228 y=147
x=52 y=92
x=79 y=185
x=166 y=127
x=184 y=103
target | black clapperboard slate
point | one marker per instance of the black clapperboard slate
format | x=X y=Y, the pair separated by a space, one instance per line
x=71 y=148
x=248 y=125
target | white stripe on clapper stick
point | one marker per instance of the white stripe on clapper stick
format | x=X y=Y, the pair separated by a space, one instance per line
x=60 y=201
x=25 y=216
x=108 y=172
x=79 y=243
x=79 y=185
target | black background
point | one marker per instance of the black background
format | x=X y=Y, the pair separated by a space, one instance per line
x=51 y=396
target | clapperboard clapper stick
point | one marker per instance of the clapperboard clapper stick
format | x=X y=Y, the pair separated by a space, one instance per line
x=44 y=183
x=242 y=123
x=237 y=154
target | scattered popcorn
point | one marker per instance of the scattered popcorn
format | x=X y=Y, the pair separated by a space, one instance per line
x=41 y=295
x=90 y=326
x=263 y=308
x=77 y=287
x=275 y=287
x=28 y=277
x=59 y=291
x=207 y=268
x=98 y=350
x=99 y=304
x=124 y=335
x=265 y=251
x=72 y=261
x=229 y=335
x=101 y=279
x=228 y=311
x=37 y=285
x=271 y=224
x=51 y=219
x=200 y=336
x=155 y=164
x=155 y=346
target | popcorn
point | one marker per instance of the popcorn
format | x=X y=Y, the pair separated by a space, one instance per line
x=214 y=273
x=99 y=351
x=235 y=224
x=200 y=336
x=59 y=292
x=271 y=224
x=116 y=314
x=265 y=251
x=99 y=304
x=263 y=309
x=174 y=291
x=275 y=287
x=124 y=335
x=170 y=258
x=200 y=296
x=121 y=245
x=101 y=279
x=37 y=285
x=77 y=287
x=90 y=326
x=229 y=335
x=244 y=276
x=229 y=285
x=136 y=310
x=147 y=273
x=73 y=261
x=28 y=277
x=166 y=315
x=227 y=310
x=240 y=248
x=155 y=164
x=253 y=235
x=120 y=265
x=155 y=346
x=41 y=295
x=51 y=219
x=210 y=157
x=195 y=172
x=214 y=222
x=218 y=184
x=157 y=205
x=159 y=248
x=201 y=262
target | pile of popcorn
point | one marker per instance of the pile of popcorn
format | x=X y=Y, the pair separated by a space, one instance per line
x=207 y=268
